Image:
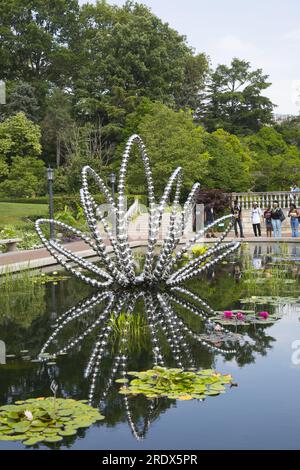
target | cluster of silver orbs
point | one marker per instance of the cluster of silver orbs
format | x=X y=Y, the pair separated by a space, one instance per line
x=160 y=316
x=120 y=268
x=118 y=272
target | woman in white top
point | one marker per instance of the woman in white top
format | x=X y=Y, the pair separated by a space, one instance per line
x=256 y=214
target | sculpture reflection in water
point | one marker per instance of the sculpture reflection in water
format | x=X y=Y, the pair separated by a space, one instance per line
x=111 y=320
x=157 y=284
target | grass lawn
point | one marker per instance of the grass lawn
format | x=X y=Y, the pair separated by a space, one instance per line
x=12 y=213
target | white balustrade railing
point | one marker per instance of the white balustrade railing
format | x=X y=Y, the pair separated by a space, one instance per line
x=265 y=199
x=132 y=211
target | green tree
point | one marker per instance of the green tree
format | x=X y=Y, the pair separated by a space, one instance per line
x=69 y=66
x=34 y=36
x=290 y=130
x=81 y=148
x=229 y=164
x=172 y=140
x=133 y=49
x=3 y=168
x=55 y=126
x=234 y=99
x=19 y=137
x=125 y=54
x=146 y=106
x=191 y=91
x=25 y=179
x=108 y=56
x=106 y=114
x=276 y=164
x=21 y=98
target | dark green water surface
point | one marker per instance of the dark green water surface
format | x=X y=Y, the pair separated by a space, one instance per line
x=262 y=412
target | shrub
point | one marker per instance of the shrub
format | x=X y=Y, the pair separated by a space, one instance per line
x=26 y=178
x=27 y=233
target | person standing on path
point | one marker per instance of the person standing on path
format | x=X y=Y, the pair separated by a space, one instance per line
x=294 y=214
x=294 y=193
x=236 y=210
x=256 y=214
x=268 y=221
x=277 y=217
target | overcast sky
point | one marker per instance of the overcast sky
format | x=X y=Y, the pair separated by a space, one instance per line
x=264 y=32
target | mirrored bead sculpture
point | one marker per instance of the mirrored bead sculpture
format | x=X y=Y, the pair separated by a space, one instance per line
x=111 y=347
x=117 y=261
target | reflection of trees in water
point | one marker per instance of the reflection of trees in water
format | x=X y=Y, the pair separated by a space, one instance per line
x=27 y=310
x=224 y=285
x=24 y=380
x=21 y=303
x=220 y=287
x=260 y=345
x=224 y=290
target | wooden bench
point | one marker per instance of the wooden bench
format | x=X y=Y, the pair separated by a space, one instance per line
x=11 y=243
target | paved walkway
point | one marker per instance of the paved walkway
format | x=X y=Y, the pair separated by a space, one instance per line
x=14 y=261
x=18 y=260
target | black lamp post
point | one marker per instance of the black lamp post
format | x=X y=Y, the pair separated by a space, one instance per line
x=50 y=179
x=112 y=180
x=53 y=301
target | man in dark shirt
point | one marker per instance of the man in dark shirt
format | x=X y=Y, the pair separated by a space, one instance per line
x=236 y=210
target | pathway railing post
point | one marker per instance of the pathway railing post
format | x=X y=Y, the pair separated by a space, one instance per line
x=267 y=198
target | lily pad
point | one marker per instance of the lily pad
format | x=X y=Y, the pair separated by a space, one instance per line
x=33 y=441
x=176 y=383
x=45 y=420
x=53 y=439
x=68 y=432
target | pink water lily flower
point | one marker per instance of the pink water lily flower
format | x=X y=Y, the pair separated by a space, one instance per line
x=264 y=315
x=240 y=316
x=228 y=314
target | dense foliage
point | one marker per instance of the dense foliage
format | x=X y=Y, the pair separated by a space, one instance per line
x=235 y=101
x=81 y=79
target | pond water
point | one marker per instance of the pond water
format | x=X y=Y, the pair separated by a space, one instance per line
x=261 y=412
